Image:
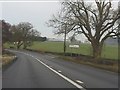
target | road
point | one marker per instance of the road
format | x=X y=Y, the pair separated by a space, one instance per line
x=35 y=70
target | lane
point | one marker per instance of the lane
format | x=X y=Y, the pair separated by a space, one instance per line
x=92 y=77
x=26 y=72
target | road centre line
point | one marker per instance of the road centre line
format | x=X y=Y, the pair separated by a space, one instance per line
x=79 y=81
x=59 y=71
x=64 y=77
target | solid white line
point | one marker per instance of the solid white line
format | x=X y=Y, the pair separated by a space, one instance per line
x=64 y=77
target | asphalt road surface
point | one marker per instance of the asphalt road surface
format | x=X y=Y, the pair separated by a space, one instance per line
x=35 y=70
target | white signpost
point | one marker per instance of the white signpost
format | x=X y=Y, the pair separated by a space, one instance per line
x=74 y=46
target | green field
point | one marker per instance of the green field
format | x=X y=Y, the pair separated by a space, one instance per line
x=109 y=51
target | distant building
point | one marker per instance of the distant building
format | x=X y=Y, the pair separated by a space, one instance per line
x=53 y=39
x=111 y=41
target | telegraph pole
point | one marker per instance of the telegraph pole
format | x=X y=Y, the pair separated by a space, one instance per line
x=118 y=37
x=65 y=39
x=119 y=24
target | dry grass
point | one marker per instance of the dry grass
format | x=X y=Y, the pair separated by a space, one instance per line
x=6 y=59
x=0 y=61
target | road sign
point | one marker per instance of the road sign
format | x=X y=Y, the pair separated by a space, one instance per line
x=74 y=46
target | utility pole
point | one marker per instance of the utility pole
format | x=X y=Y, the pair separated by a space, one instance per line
x=119 y=32
x=65 y=39
x=119 y=24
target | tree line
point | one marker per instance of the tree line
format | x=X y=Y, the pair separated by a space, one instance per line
x=22 y=34
x=97 y=21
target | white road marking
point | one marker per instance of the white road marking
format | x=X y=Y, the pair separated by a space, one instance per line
x=79 y=81
x=64 y=77
x=59 y=71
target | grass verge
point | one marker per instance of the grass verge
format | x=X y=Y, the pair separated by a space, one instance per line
x=110 y=67
x=7 y=59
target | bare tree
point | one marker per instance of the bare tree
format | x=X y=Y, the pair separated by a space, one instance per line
x=6 y=34
x=96 y=21
x=23 y=34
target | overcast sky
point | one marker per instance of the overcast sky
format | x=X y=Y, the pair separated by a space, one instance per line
x=36 y=13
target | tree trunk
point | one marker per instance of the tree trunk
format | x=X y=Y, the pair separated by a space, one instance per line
x=19 y=45
x=25 y=46
x=97 y=50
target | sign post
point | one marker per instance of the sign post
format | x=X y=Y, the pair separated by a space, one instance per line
x=73 y=46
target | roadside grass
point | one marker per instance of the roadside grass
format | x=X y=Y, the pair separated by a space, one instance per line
x=113 y=68
x=7 y=59
x=0 y=61
x=108 y=51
